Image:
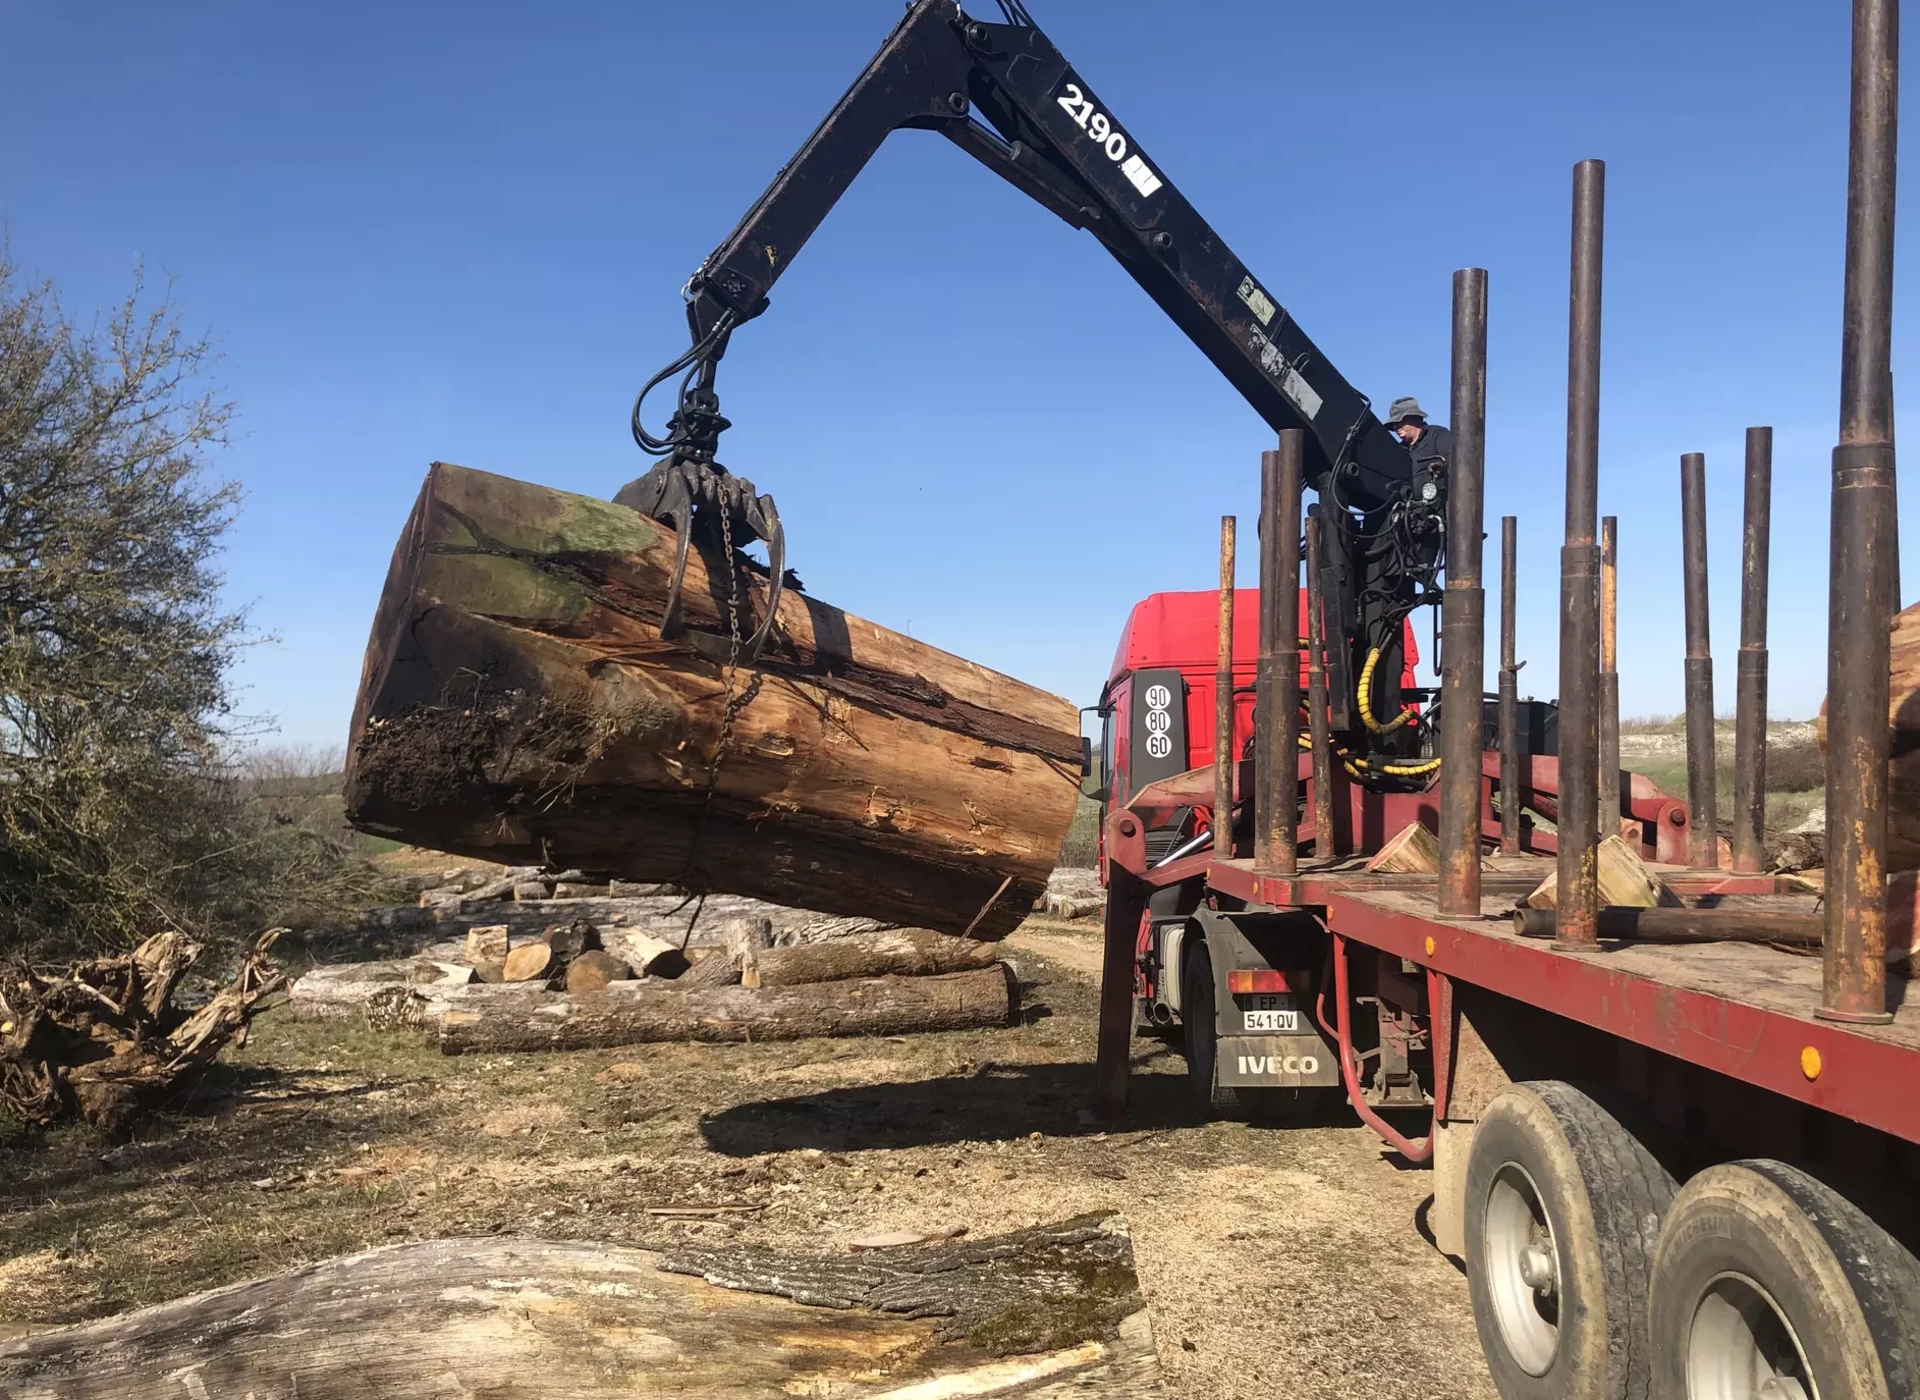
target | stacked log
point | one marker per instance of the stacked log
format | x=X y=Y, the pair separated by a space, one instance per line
x=520 y=703
x=628 y=989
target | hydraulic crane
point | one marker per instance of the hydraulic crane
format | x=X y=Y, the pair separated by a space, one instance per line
x=1005 y=95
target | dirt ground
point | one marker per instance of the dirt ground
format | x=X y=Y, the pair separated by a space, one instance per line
x=1274 y=1261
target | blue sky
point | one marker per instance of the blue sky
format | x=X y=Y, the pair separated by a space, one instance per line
x=447 y=231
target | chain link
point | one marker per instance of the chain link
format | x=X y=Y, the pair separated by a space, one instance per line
x=729 y=713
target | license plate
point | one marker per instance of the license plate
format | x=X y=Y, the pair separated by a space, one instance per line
x=1264 y=1011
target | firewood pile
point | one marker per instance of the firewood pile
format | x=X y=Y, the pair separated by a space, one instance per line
x=109 y=1038
x=579 y=984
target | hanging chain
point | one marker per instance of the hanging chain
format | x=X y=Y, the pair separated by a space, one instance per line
x=729 y=712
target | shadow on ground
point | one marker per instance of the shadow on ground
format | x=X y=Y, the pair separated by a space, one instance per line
x=998 y=1104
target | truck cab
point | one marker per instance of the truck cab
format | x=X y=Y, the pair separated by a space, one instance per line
x=1158 y=705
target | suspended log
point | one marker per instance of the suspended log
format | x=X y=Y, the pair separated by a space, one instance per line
x=907 y=952
x=636 y=1013
x=572 y=1320
x=519 y=703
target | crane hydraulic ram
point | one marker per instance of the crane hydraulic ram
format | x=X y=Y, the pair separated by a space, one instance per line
x=1007 y=97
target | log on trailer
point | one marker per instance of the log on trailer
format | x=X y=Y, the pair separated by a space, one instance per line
x=519 y=703
x=574 y=1319
x=637 y=1013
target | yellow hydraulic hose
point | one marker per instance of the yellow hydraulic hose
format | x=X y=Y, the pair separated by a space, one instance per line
x=1356 y=766
x=1366 y=709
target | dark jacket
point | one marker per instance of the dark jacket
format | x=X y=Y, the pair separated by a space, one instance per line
x=1434 y=442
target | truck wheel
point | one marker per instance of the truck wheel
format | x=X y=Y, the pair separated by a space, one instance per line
x=1202 y=1039
x=1563 y=1206
x=1767 y=1283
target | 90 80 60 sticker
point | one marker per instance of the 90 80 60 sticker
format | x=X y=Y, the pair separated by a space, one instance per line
x=1103 y=133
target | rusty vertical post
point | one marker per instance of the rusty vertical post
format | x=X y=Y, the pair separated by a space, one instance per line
x=1276 y=724
x=1578 y=893
x=1223 y=755
x=1703 y=825
x=1464 y=607
x=1861 y=588
x=1511 y=758
x=1320 y=721
x=1609 y=677
x=1750 y=694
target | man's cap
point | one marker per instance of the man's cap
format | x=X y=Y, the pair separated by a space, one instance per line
x=1403 y=409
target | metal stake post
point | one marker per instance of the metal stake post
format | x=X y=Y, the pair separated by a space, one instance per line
x=1511 y=759
x=1703 y=826
x=1750 y=696
x=1276 y=818
x=1609 y=677
x=1223 y=755
x=1861 y=588
x=1320 y=722
x=1578 y=892
x=1464 y=609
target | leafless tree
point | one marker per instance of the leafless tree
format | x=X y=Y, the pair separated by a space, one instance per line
x=119 y=807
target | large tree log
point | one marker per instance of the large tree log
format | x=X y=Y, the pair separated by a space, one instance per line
x=515 y=1319
x=519 y=703
x=636 y=1013
x=905 y=952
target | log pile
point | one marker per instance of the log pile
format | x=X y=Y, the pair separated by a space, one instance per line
x=578 y=986
x=520 y=703
x=1049 y=1313
x=106 y=1039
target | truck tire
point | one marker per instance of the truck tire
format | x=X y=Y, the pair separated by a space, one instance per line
x=1767 y=1282
x=1201 y=1041
x=1563 y=1206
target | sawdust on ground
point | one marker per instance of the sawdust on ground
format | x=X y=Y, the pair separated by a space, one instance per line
x=1275 y=1262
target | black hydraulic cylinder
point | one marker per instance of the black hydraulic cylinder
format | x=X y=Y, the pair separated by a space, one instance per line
x=1513 y=763
x=1862 y=588
x=1703 y=829
x=1578 y=889
x=1276 y=817
x=1464 y=608
x=1750 y=695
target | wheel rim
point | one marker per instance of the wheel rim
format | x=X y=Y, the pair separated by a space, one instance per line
x=1740 y=1346
x=1521 y=1263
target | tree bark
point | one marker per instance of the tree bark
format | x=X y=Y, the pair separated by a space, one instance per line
x=636 y=1013
x=515 y=1319
x=907 y=952
x=519 y=703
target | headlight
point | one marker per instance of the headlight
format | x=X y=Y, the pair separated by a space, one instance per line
x=1430 y=491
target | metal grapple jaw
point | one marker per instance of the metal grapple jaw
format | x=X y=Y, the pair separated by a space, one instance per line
x=703 y=498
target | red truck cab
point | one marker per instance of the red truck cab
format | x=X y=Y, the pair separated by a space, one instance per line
x=1157 y=708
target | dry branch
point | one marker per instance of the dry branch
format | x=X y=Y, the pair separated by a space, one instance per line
x=106 y=1041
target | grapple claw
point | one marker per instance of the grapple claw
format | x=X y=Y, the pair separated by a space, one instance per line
x=700 y=498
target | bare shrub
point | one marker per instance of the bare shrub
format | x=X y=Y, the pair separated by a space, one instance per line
x=121 y=811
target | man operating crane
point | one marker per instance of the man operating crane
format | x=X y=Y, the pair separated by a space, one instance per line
x=1431 y=445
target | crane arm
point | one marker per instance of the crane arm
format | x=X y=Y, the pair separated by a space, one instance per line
x=1004 y=94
